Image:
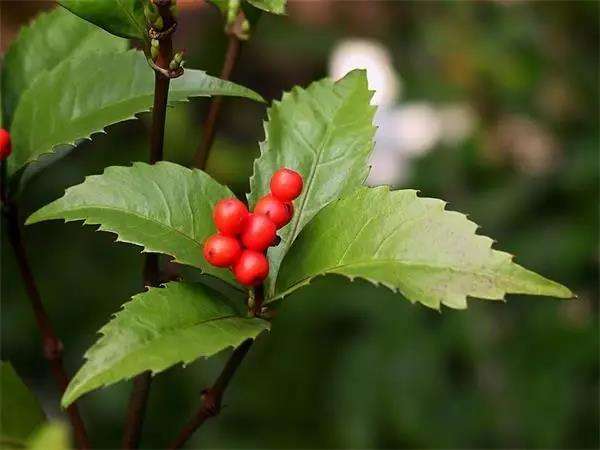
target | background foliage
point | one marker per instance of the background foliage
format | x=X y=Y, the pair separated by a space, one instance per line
x=350 y=365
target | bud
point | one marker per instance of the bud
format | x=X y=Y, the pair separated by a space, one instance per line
x=150 y=12
x=155 y=43
x=158 y=23
x=173 y=65
x=232 y=11
x=154 y=52
x=178 y=58
x=245 y=27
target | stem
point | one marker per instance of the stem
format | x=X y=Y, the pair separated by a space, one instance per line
x=138 y=399
x=212 y=397
x=159 y=113
x=52 y=346
x=210 y=125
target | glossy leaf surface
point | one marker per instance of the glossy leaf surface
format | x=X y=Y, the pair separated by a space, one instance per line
x=165 y=208
x=159 y=328
x=82 y=96
x=411 y=245
x=124 y=18
x=325 y=133
x=50 y=39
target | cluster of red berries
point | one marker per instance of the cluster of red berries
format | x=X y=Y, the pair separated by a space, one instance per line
x=5 y=145
x=243 y=237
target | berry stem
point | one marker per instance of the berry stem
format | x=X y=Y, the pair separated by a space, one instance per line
x=234 y=45
x=138 y=399
x=52 y=346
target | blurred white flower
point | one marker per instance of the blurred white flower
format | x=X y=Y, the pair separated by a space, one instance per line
x=523 y=141
x=413 y=128
x=375 y=58
x=404 y=131
x=458 y=122
x=387 y=167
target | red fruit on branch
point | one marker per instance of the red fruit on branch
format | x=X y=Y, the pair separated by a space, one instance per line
x=286 y=184
x=258 y=232
x=280 y=213
x=230 y=215
x=251 y=268
x=222 y=251
x=5 y=144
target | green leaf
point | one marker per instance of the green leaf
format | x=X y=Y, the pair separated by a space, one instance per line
x=158 y=329
x=165 y=208
x=222 y=5
x=82 y=96
x=272 y=6
x=324 y=132
x=50 y=39
x=52 y=436
x=411 y=245
x=124 y=18
x=20 y=412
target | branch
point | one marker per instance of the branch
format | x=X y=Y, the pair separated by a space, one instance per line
x=52 y=346
x=212 y=397
x=163 y=72
x=235 y=36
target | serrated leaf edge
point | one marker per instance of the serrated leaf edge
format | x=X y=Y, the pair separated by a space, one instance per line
x=135 y=116
x=106 y=328
x=294 y=93
x=569 y=295
x=33 y=219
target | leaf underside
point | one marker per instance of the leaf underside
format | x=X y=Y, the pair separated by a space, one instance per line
x=82 y=96
x=124 y=18
x=165 y=208
x=20 y=411
x=325 y=133
x=272 y=6
x=50 y=39
x=411 y=245
x=159 y=328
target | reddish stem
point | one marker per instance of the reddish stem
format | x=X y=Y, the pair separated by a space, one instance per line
x=210 y=125
x=212 y=397
x=138 y=400
x=52 y=346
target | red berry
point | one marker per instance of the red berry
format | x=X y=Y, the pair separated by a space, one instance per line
x=251 y=268
x=258 y=232
x=286 y=184
x=279 y=212
x=222 y=251
x=229 y=216
x=5 y=145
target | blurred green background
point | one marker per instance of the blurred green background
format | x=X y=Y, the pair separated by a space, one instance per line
x=350 y=365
